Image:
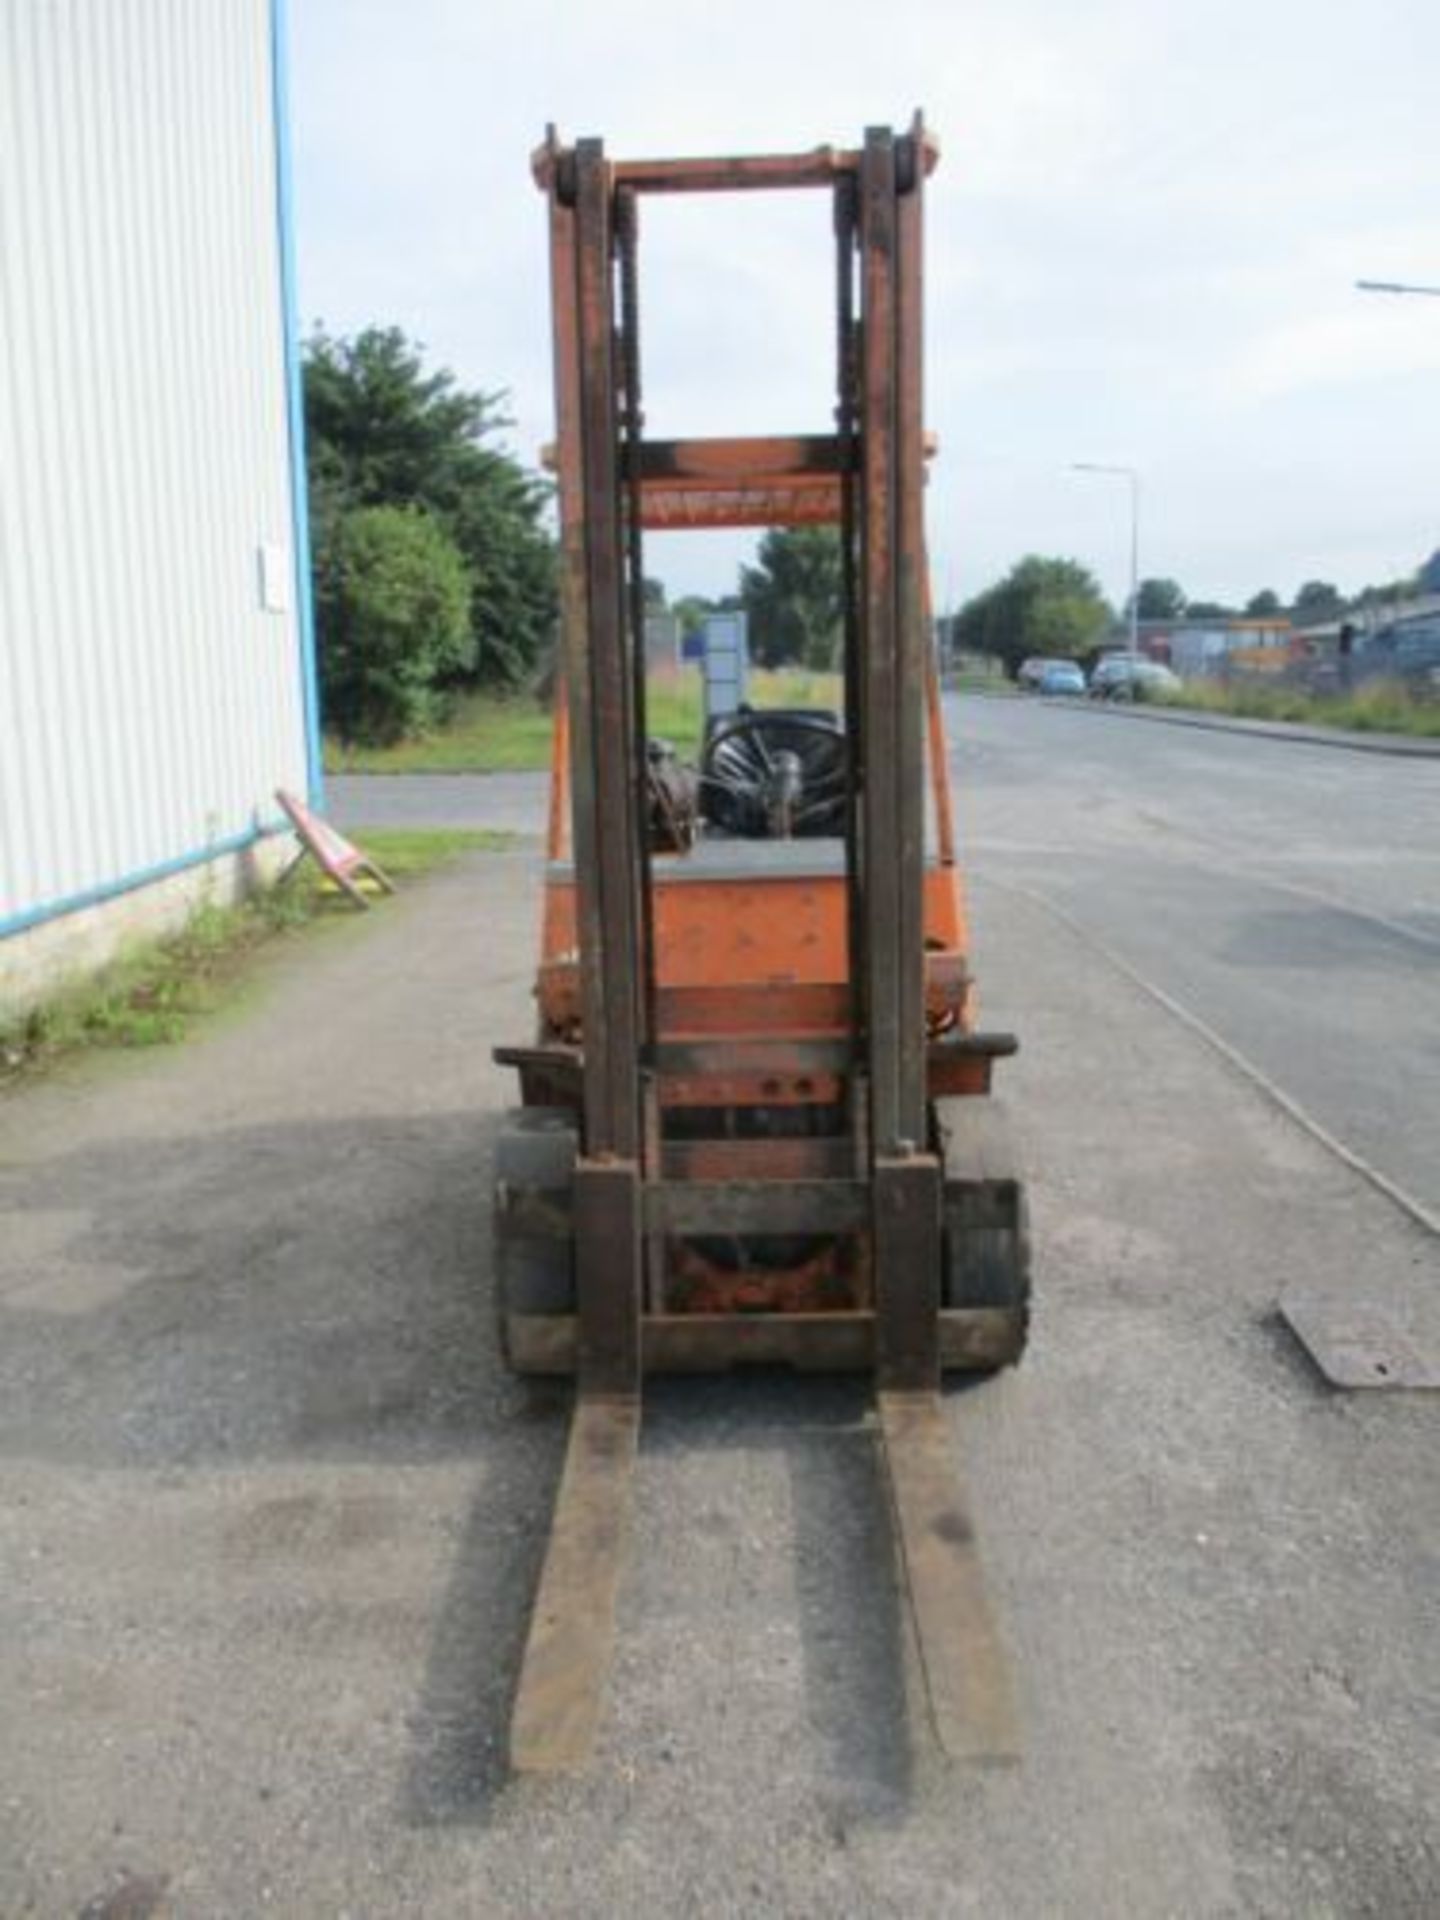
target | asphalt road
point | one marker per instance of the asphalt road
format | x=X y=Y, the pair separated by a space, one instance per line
x=507 y=802
x=271 y=1512
x=1289 y=896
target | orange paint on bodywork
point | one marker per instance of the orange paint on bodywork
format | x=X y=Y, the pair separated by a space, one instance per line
x=719 y=941
x=758 y=953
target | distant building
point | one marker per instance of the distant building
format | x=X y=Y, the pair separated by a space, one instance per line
x=662 y=642
x=1196 y=647
x=157 y=675
x=1420 y=606
x=725 y=662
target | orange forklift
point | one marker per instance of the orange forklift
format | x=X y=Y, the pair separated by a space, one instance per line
x=755 y=1123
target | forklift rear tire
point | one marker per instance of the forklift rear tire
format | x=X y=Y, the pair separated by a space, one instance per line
x=534 y=1249
x=990 y=1266
x=986 y=1238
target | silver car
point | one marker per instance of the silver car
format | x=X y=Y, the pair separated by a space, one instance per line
x=1119 y=677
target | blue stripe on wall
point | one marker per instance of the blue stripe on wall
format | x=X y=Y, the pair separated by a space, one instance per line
x=143 y=877
x=295 y=399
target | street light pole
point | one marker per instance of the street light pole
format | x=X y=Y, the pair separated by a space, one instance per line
x=1132 y=475
x=1395 y=286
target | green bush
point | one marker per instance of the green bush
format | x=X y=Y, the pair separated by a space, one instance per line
x=383 y=430
x=1380 y=706
x=400 y=626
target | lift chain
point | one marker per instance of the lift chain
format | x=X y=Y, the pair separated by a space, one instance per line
x=646 y=784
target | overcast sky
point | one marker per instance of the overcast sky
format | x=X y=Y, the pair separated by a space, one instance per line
x=1142 y=240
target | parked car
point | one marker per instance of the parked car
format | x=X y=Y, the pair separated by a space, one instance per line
x=1118 y=677
x=1033 y=671
x=1061 y=677
x=1109 y=668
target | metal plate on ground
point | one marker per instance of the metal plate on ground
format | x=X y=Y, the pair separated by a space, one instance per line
x=1356 y=1344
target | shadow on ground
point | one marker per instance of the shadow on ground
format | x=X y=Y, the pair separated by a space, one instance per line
x=320 y=1292
x=291 y=1292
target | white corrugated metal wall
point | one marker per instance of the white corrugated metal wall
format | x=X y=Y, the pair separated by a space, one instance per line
x=154 y=659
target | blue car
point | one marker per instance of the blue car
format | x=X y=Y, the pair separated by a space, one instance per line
x=1062 y=677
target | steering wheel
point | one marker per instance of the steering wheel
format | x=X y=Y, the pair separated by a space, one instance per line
x=739 y=771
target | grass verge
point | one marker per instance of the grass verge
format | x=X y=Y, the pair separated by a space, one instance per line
x=1379 y=708
x=484 y=736
x=153 y=992
x=487 y=735
x=968 y=681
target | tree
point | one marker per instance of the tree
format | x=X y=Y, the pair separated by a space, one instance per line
x=794 y=598
x=1064 y=626
x=691 y=610
x=1042 y=606
x=1161 y=600
x=1316 y=602
x=382 y=431
x=1262 y=605
x=1208 y=610
x=1388 y=594
x=399 y=623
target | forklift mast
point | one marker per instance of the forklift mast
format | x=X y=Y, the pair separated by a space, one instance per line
x=868 y=480
x=877 y=1180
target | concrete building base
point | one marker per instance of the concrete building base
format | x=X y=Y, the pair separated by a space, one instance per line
x=40 y=960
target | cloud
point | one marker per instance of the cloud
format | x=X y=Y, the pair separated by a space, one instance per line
x=1141 y=245
x=1338 y=349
